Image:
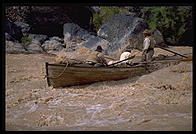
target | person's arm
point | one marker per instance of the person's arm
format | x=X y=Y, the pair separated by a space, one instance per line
x=102 y=59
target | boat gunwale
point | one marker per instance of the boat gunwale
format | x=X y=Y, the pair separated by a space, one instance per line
x=137 y=64
x=112 y=67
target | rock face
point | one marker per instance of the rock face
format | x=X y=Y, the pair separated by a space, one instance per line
x=49 y=20
x=114 y=36
x=25 y=28
x=121 y=31
x=71 y=30
x=53 y=45
x=13 y=30
x=158 y=36
x=75 y=37
x=34 y=47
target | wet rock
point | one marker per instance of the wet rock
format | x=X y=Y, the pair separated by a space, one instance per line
x=14 y=47
x=25 y=28
x=76 y=37
x=121 y=31
x=71 y=30
x=93 y=42
x=13 y=30
x=39 y=37
x=34 y=47
x=53 y=45
x=158 y=36
x=10 y=38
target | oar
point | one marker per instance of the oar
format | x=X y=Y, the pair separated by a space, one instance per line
x=171 y=51
x=122 y=60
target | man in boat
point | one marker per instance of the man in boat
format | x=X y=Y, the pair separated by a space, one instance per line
x=125 y=55
x=148 y=44
x=124 y=58
x=96 y=58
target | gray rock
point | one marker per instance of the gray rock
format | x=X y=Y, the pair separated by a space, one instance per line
x=75 y=36
x=121 y=28
x=34 y=47
x=93 y=42
x=13 y=30
x=57 y=39
x=39 y=37
x=158 y=36
x=24 y=27
x=52 y=45
x=14 y=47
x=169 y=41
x=10 y=38
x=75 y=31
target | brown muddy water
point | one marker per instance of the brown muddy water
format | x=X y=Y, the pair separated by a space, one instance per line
x=159 y=101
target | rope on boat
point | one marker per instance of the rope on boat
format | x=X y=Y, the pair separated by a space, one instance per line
x=61 y=72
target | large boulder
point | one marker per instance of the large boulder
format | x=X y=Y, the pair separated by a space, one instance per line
x=13 y=30
x=158 y=36
x=121 y=31
x=76 y=37
x=71 y=30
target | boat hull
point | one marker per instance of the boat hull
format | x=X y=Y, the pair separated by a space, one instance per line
x=59 y=75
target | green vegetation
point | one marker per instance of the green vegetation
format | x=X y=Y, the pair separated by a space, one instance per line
x=170 y=20
x=26 y=41
x=105 y=14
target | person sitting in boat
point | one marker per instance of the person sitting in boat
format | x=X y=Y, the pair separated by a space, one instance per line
x=96 y=58
x=125 y=55
x=148 y=44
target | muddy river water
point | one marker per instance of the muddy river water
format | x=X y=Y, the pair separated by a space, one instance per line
x=160 y=101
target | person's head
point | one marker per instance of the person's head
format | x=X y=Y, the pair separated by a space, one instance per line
x=128 y=50
x=146 y=32
x=99 y=49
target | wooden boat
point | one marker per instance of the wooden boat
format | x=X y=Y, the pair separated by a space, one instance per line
x=63 y=75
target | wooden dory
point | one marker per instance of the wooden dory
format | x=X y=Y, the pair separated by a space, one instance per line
x=58 y=75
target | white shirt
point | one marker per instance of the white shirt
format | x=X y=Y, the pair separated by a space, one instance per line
x=125 y=55
x=146 y=43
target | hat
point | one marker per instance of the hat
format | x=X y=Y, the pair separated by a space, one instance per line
x=147 y=31
x=99 y=49
x=128 y=49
